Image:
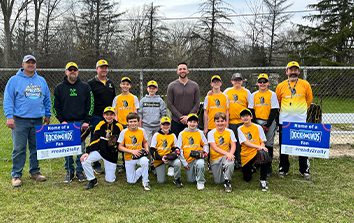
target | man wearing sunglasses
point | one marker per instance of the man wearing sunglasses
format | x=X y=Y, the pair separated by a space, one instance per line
x=294 y=96
x=73 y=102
x=264 y=106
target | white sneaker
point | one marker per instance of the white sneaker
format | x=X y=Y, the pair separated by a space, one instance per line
x=171 y=171
x=147 y=186
x=200 y=186
x=264 y=185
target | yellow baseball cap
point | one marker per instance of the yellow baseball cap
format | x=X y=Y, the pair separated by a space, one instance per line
x=109 y=109
x=264 y=76
x=101 y=63
x=71 y=64
x=192 y=116
x=165 y=119
x=152 y=83
x=126 y=79
x=245 y=111
x=215 y=77
x=293 y=64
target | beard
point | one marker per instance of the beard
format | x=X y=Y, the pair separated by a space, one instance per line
x=72 y=78
x=293 y=77
x=182 y=76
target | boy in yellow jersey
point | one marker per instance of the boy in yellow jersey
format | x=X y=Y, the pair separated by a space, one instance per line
x=252 y=139
x=164 y=151
x=133 y=142
x=101 y=148
x=294 y=96
x=194 y=148
x=264 y=106
x=222 y=148
x=213 y=103
x=238 y=100
x=125 y=102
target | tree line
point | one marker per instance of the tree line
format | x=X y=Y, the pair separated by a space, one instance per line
x=87 y=30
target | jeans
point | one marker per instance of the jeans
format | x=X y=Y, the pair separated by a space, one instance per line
x=69 y=162
x=23 y=133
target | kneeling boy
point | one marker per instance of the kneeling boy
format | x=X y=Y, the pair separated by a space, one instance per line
x=222 y=148
x=104 y=147
x=133 y=142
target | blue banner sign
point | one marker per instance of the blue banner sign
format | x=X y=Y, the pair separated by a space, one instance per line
x=60 y=140
x=306 y=139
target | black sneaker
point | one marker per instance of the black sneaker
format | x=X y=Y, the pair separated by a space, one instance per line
x=97 y=169
x=178 y=183
x=91 y=184
x=69 y=177
x=80 y=176
x=227 y=186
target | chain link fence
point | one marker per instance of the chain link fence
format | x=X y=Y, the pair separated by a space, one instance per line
x=332 y=88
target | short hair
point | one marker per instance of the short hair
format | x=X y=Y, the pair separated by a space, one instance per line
x=221 y=115
x=133 y=115
x=182 y=63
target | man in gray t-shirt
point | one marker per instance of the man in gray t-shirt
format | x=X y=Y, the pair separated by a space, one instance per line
x=183 y=98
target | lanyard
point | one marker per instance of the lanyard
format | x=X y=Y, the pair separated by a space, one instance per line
x=292 y=90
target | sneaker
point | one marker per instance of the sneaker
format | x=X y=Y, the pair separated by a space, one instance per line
x=146 y=186
x=98 y=170
x=69 y=177
x=170 y=171
x=80 y=176
x=264 y=185
x=306 y=176
x=200 y=186
x=91 y=184
x=38 y=177
x=227 y=186
x=178 y=183
x=282 y=174
x=16 y=182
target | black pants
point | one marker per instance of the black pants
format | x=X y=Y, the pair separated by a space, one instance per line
x=234 y=127
x=284 y=164
x=177 y=127
x=247 y=170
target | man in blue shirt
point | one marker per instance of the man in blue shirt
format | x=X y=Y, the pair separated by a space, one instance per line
x=26 y=101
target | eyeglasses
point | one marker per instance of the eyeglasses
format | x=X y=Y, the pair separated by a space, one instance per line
x=262 y=82
x=72 y=69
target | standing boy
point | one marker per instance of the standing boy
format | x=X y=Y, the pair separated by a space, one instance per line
x=222 y=148
x=252 y=140
x=194 y=148
x=104 y=147
x=133 y=142
x=164 y=151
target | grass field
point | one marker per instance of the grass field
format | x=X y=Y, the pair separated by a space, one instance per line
x=327 y=198
x=336 y=105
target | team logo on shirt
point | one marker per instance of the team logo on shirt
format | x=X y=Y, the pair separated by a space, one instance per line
x=261 y=100
x=73 y=92
x=33 y=91
x=249 y=136
x=164 y=144
x=221 y=140
x=190 y=141
x=235 y=97
x=134 y=140
x=125 y=103
x=217 y=102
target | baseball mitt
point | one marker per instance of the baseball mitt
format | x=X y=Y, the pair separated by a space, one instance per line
x=142 y=153
x=198 y=154
x=263 y=157
x=112 y=141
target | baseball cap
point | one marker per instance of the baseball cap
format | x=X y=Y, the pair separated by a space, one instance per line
x=165 y=119
x=192 y=116
x=264 y=76
x=215 y=77
x=109 y=109
x=236 y=76
x=245 y=111
x=101 y=63
x=152 y=83
x=126 y=79
x=71 y=64
x=292 y=64
x=28 y=57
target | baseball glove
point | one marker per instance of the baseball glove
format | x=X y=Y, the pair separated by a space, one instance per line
x=171 y=156
x=142 y=153
x=263 y=157
x=198 y=154
x=155 y=155
x=314 y=113
x=84 y=134
x=112 y=141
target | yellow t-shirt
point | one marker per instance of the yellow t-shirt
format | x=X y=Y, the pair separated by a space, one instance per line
x=293 y=105
x=213 y=104
x=163 y=144
x=222 y=140
x=238 y=100
x=132 y=140
x=123 y=105
x=254 y=134
x=262 y=103
x=191 y=140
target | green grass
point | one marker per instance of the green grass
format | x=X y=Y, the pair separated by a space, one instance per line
x=328 y=197
x=336 y=105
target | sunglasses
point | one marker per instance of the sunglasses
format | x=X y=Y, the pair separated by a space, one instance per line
x=262 y=82
x=166 y=123
x=72 y=69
